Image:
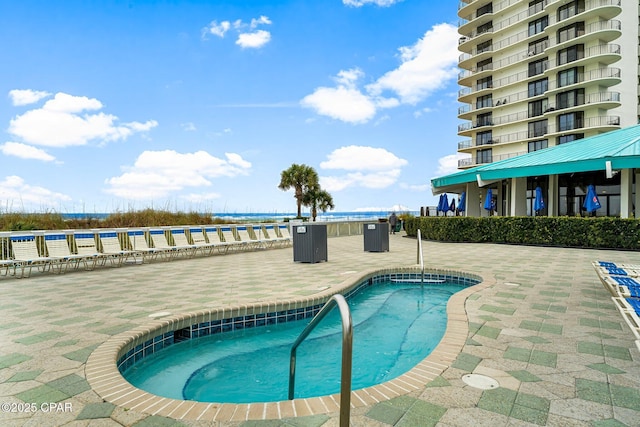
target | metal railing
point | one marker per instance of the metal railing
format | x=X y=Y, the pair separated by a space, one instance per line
x=347 y=352
x=420 y=260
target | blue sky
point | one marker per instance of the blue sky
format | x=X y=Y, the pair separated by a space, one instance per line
x=199 y=105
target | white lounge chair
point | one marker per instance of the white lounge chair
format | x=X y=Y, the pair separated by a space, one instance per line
x=284 y=233
x=25 y=251
x=181 y=243
x=85 y=243
x=230 y=238
x=58 y=247
x=252 y=242
x=111 y=247
x=139 y=244
x=213 y=237
x=161 y=246
x=271 y=236
x=200 y=241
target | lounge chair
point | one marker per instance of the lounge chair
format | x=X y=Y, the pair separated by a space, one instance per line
x=242 y=231
x=112 y=249
x=623 y=286
x=200 y=241
x=616 y=270
x=58 y=246
x=284 y=233
x=85 y=244
x=181 y=243
x=139 y=244
x=271 y=235
x=230 y=238
x=25 y=251
x=160 y=241
x=213 y=237
x=630 y=310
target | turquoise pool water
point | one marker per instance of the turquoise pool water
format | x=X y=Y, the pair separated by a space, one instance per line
x=396 y=325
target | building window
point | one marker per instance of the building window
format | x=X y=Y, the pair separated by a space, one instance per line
x=484 y=46
x=484 y=65
x=484 y=120
x=570 y=98
x=485 y=27
x=483 y=156
x=486 y=83
x=568 y=138
x=538 y=67
x=484 y=138
x=538 y=145
x=570 y=121
x=570 y=9
x=538 y=87
x=570 y=76
x=538 y=128
x=484 y=101
x=538 y=108
x=570 y=32
x=536 y=6
x=538 y=46
x=538 y=26
x=488 y=8
x=570 y=54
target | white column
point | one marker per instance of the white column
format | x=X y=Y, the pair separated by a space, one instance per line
x=552 y=192
x=518 y=196
x=626 y=193
x=473 y=195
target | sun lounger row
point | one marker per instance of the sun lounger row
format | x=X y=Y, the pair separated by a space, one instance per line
x=59 y=251
x=623 y=282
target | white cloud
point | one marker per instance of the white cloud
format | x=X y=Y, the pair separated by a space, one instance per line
x=253 y=40
x=16 y=194
x=26 y=96
x=360 y=3
x=63 y=121
x=425 y=67
x=415 y=187
x=354 y=157
x=216 y=29
x=156 y=174
x=449 y=164
x=248 y=36
x=25 y=151
x=366 y=167
x=188 y=127
x=200 y=197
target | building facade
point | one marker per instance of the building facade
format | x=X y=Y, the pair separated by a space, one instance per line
x=540 y=73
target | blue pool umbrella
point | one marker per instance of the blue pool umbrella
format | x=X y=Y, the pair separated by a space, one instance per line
x=439 y=208
x=452 y=207
x=488 y=202
x=462 y=202
x=445 y=203
x=538 y=203
x=591 y=202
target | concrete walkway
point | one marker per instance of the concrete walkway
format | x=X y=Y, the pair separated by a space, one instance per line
x=547 y=331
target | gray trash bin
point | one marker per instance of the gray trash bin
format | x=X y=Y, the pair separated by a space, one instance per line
x=376 y=237
x=309 y=242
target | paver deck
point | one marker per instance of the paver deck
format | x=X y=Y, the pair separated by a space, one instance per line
x=546 y=330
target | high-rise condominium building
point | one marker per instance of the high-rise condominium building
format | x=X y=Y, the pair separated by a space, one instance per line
x=536 y=74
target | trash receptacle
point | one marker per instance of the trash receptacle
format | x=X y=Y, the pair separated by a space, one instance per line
x=376 y=237
x=309 y=242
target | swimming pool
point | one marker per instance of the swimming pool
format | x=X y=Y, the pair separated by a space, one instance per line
x=395 y=326
x=106 y=364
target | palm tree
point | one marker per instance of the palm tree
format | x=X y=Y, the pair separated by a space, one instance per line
x=317 y=198
x=300 y=178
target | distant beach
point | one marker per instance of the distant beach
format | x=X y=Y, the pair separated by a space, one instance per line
x=274 y=216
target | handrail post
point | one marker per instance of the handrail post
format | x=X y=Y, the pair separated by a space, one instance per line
x=347 y=353
x=420 y=260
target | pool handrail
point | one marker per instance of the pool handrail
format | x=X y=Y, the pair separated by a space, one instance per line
x=347 y=352
x=420 y=260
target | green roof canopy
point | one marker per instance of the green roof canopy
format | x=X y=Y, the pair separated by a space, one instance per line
x=620 y=147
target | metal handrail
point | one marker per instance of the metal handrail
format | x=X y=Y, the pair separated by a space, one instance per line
x=347 y=351
x=420 y=260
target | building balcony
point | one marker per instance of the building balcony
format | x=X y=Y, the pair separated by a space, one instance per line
x=602 y=9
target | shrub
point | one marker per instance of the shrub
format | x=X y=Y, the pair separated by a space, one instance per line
x=604 y=232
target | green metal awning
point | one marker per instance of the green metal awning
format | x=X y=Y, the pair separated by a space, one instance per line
x=620 y=147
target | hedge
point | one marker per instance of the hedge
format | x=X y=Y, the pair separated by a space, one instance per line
x=600 y=232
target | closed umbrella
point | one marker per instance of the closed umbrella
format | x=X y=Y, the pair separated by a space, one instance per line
x=439 y=208
x=538 y=203
x=591 y=202
x=452 y=206
x=445 y=203
x=488 y=202
x=462 y=202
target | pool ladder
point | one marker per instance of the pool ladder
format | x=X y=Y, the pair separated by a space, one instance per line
x=420 y=260
x=347 y=352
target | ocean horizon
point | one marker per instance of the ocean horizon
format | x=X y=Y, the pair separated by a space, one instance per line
x=265 y=216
